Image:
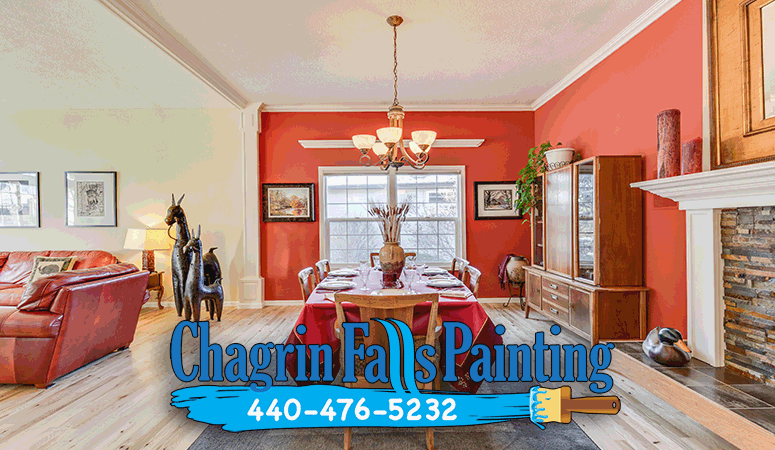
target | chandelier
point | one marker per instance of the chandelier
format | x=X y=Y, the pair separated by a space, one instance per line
x=390 y=150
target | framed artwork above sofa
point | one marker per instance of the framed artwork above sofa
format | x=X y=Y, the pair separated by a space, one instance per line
x=90 y=199
x=19 y=200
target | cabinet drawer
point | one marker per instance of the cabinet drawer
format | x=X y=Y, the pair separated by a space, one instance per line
x=558 y=287
x=551 y=297
x=554 y=311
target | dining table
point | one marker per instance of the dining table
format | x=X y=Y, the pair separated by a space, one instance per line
x=319 y=318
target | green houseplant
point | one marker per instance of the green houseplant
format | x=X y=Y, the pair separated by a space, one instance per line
x=527 y=176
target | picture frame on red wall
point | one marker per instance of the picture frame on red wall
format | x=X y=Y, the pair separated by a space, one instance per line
x=288 y=202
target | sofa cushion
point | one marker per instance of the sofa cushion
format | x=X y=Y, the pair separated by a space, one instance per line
x=4 y=286
x=3 y=259
x=41 y=293
x=11 y=296
x=18 y=266
x=40 y=324
x=87 y=258
x=49 y=265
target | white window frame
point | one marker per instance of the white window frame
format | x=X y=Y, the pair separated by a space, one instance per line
x=460 y=220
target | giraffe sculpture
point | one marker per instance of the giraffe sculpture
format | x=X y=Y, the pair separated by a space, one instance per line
x=196 y=289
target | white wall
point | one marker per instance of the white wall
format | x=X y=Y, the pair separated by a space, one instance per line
x=156 y=152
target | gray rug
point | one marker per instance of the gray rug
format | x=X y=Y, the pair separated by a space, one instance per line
x=515 y=434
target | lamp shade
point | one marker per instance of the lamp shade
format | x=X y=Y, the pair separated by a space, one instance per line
x=415 y=148
x=146 y=239
x=424 y=137
x=389 y=135
x=380 y=149
x=364 y=141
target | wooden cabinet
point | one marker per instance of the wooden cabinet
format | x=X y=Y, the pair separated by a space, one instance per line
x=590 y=272
x=537 y=223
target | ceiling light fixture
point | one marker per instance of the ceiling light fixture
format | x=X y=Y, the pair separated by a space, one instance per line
x=390 y=149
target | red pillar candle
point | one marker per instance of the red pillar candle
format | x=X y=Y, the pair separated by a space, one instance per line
x=691 y=156
x=668 y=143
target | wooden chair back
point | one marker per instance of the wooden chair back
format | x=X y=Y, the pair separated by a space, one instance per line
x=399 y=307
x=471 y=278
x=322 y=268
x=459 y=267
x=305 y=282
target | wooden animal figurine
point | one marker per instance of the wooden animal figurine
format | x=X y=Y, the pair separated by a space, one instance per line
x=666 y=346
x=196 y=289
x=212 y=266
x=179 y=261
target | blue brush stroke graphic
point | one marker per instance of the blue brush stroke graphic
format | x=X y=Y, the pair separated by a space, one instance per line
x=229 y=406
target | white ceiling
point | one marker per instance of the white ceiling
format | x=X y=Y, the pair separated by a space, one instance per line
x=61 y=54
x=76 y=53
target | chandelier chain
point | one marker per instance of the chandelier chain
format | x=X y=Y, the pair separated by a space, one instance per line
x=395 y=66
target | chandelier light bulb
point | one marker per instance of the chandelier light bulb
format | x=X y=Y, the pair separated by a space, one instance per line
x=364 y=141
x=390 y=135
x=380 y=149
x=424 y=137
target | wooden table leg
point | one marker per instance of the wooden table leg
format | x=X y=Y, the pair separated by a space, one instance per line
x=161 y=295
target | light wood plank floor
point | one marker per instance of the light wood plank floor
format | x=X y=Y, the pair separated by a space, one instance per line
x=122 y=400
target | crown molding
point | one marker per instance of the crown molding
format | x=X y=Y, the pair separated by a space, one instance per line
x=347 y=143
x=656 y=11
x=383 y=107
x=148 y=27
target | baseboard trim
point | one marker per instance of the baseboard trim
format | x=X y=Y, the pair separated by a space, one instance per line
x=514 y=300
x=284 y=303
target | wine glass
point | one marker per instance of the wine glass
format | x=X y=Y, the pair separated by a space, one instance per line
x=409 y=268
x=420 y=269
x=363 y=271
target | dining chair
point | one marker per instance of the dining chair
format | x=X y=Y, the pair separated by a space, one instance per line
x=459 y=265
x=305 y=281
x=374 y=257
x=399 y=307
x=471 y=277
x=322 y=268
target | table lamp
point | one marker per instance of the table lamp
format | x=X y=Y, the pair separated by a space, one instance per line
x=147 y=240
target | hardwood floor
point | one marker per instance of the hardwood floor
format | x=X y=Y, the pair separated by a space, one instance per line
x=122 y=400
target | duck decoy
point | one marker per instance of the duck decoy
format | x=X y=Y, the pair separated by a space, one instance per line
x=667 y=347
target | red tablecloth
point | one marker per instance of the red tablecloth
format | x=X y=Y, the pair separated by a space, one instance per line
x=319 y=316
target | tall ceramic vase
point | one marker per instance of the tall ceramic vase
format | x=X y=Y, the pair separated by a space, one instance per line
x=391 y=259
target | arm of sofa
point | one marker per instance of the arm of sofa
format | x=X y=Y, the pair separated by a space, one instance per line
x=40 y=294
x=98 y=317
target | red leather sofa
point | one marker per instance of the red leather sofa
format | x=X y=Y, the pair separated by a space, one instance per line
x=66 y=320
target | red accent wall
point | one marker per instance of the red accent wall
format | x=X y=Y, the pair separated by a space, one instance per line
x=287 y=248
x=612 y=110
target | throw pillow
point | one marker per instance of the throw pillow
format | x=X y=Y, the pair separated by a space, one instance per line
x=48 y=265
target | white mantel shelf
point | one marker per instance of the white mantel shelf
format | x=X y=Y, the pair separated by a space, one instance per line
x=751 y=185
x=348 y=143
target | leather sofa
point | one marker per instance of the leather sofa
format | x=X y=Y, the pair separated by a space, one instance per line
x=65 y=320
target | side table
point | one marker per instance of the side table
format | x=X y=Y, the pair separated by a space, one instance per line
x=156 y=283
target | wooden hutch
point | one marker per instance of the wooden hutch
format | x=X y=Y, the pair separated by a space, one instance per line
x=587 y=249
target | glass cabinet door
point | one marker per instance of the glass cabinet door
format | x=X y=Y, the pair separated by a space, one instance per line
x=538 y=222
x=585 y=221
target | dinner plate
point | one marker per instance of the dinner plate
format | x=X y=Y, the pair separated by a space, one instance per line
x=435 y=271
x=343 y=273
x=337 y=285
x=446 y=283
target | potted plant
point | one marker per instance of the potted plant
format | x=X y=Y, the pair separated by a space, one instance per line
x=536 y=165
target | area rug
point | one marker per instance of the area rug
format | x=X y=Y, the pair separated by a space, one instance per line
x=515 y=434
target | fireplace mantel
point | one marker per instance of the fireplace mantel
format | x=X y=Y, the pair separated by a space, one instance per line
x=702 y=196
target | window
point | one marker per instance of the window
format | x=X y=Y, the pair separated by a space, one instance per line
x=435 y=226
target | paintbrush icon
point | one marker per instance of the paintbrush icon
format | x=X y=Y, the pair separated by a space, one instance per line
x=556 y=405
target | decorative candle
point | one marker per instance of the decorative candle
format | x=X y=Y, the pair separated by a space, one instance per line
x=668 y=143
x=691 y=156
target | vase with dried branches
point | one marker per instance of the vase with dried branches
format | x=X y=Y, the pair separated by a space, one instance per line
x=391 y=255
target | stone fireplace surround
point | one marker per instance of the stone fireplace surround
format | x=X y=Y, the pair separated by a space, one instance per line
x=703 y=196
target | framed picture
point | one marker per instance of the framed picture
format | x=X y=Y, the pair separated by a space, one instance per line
x=495 y=200
x=90 y=199
x=19 y=200
x=288 y=202
x=742 y=72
